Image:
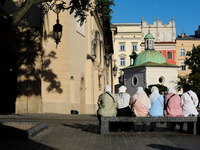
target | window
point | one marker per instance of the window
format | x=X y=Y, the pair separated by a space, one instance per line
x=134 y=47
x=122 y=61
x=134 y=80
x=122 y=47
x=182 y=52
x=161 y=80
x=183 y=67
x=169 y=55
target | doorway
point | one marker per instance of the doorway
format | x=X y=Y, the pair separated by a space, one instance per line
x=8 y=79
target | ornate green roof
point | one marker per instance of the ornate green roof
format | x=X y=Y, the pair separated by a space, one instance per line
x=149 y=56
x=149 y=36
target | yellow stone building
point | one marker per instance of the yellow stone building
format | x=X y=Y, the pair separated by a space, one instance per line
x=54 y=79
x=185 y=43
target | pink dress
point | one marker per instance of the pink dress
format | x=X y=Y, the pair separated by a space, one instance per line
x=174 y=105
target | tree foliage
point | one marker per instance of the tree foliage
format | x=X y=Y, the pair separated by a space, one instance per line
x=193 y=62
x=80 y=9
x=182 y=81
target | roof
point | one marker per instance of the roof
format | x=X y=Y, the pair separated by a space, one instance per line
x=112 y=26
x=149 y=55
x=127 y=24
x=149 y=36
x=151 y=64
x=188 y=37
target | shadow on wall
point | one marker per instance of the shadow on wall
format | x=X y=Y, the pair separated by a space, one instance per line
x=34 y=65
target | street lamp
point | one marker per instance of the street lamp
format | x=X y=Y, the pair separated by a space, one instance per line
x=56 y=7
x=115 y=69
x=57 y=31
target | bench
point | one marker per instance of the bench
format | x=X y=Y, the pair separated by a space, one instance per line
x=105 y=121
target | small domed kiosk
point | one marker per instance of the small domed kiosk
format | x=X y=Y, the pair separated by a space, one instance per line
x=149 y=67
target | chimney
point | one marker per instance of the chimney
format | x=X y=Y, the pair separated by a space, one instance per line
x=182 y=35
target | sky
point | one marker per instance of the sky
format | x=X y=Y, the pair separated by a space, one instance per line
x=186 y=13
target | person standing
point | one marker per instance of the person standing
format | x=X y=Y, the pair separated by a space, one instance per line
x=173 y=108
x=157 y=101
x=141 y=104
x=107 y=103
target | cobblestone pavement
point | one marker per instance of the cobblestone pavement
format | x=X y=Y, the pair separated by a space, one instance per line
x=74 y=132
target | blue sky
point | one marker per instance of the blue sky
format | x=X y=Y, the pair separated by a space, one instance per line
x=186 y=13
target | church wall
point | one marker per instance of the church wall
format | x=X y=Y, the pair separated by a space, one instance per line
x=169 y=74
x=55 y=85
x=140 y=74
x=84 y=72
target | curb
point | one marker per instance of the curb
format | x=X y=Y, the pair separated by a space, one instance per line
x=37 y=129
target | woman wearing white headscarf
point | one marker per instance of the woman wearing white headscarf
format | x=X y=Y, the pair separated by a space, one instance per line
x=173 y=103
x=141 y=104
x=123 y=109
x=107 y=103
x=157 y=104
x=123 y=99
x=173 y=108
x=189 y=102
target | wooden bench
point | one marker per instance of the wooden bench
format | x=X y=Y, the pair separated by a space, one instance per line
x=105 y=121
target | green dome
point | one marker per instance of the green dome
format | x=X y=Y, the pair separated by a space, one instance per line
x=149 y=56
x=149 y=36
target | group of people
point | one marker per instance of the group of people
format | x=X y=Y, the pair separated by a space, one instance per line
x=141 y=105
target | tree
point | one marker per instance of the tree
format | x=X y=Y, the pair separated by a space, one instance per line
x=79 y=7
x=193 y=62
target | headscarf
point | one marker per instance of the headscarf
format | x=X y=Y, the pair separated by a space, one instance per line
x=123 y=98
x=122 y=89
x=154 y=94
x=171 y=90
x=107 y=88
x=142 y=97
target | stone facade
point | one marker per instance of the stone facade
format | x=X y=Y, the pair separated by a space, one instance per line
x=69 y=76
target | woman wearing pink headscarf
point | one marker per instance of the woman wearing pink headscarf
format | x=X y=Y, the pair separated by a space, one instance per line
x=141 y=104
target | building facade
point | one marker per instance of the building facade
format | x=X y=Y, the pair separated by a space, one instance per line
x=127 y=40
x=185 y=43
x=59 y=78
x=165 y=37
